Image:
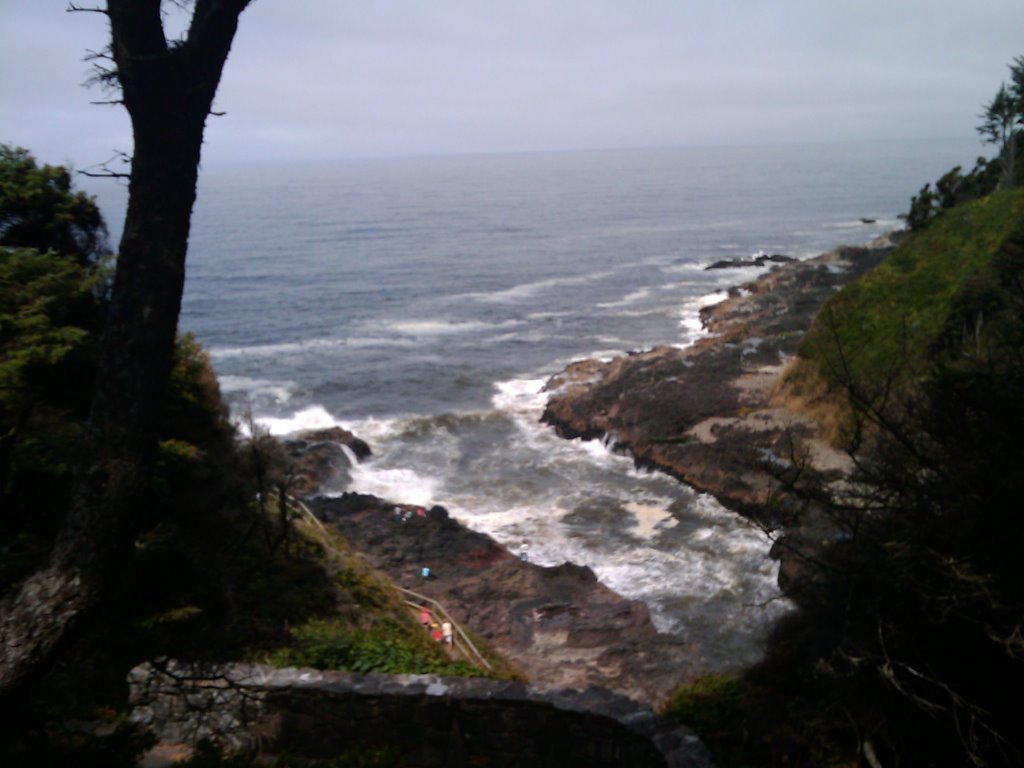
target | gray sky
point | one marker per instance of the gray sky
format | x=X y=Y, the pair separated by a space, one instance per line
x=325 y=79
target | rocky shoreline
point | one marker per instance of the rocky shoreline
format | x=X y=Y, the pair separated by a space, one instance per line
x=559 y=625
x=703 y=414
x=708 y=414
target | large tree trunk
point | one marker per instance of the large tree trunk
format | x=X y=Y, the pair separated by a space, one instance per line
x=168 y=91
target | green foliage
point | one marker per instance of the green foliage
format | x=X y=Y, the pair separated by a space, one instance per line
x=739 y=723
x=882 y=329
x=47 y=365
x=953 y=189
x=387 y=647
x=708 y=702
x=52 y=278
x=1000 y=125
x=199 y=467
x=922 y=207
x=365 y=588
x=46 y=358
x=39 y=210
x=907 y=631
x=715 y=707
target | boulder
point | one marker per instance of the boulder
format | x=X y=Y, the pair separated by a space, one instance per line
x=320 y=462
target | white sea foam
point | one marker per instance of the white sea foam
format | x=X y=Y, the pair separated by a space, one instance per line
x=722 y=559
x=644 y=535
x=520 y=396
x=444 y=327
x=301 y=347
x=629 y=299
x=404 y=485
x=279 y=391
x=525 y=291
x=313 y=417
x=689 y=316
x=269 y=350
x=685 y=268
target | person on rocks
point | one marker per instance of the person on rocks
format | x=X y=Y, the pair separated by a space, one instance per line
x=524 y=552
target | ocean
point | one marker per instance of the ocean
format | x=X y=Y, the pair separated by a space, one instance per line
x=423 y=303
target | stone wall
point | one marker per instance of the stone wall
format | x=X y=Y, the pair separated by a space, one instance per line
x=432 y=721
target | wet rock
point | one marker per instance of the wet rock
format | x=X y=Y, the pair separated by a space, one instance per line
x=756 y=261
x=335 y=435
x=319 y=460
x=705 y=414
x=558 y=624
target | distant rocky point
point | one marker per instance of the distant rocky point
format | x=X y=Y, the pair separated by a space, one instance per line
x=756 y=261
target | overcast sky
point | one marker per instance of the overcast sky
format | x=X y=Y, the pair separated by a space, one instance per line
x=326 y=79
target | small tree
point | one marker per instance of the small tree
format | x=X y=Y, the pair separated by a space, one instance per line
x=271 y=471
x=1017 y=84
x=922 y=207
x=999 y=124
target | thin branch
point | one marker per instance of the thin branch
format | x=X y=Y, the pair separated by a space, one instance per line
x=103 y=171
x=105 y=175
x=72 y=8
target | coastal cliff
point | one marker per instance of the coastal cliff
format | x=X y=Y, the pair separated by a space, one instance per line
x=707 y=414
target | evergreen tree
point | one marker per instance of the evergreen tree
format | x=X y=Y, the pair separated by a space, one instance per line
x=167 y=87
x=1002 y=119
x=39 y=210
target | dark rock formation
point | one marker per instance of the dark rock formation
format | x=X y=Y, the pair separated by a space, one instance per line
x=431 y=721
x=704 y=414
x=756 y=261
x=319 y=460
x=559 y=625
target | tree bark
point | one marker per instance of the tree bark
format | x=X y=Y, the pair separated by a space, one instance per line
x=168 y=90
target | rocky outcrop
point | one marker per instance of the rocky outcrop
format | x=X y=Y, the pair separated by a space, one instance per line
x=756 y=261
x=559 y=625
x=319 y=459
x=429 y=721
x=705 y=414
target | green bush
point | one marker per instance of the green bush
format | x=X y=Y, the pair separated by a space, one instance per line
x=882 y=330
x=715 y=707
x=384 y=648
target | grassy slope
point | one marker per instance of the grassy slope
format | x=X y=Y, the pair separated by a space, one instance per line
x=906 y=319
x=887 y=324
